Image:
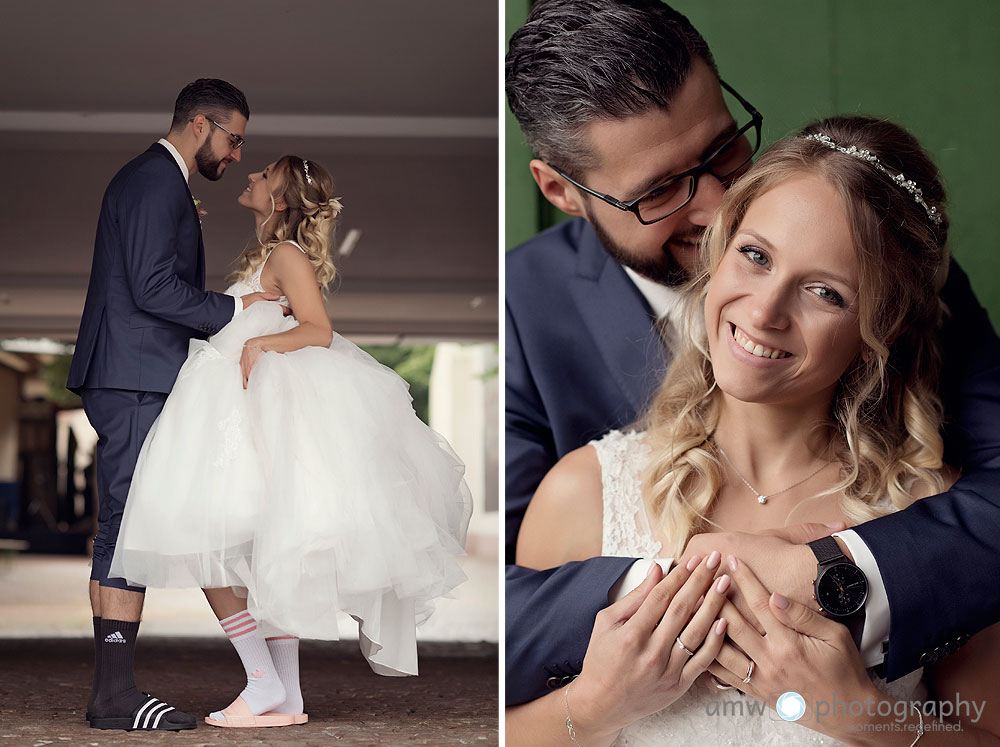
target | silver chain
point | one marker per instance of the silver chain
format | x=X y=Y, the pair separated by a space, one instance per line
x=761 y=497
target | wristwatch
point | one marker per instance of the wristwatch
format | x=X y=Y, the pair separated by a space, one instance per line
x=841 y=588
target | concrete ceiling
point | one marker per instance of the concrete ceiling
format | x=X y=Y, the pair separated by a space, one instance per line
x=398 y=99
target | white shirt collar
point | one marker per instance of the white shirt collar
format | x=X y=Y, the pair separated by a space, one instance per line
x=176 y=154
x=666 y=302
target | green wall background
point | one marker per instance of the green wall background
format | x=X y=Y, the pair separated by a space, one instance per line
x=930 y=66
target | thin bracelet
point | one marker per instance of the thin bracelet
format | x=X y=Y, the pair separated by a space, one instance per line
x=569 y=721
x=920 y=729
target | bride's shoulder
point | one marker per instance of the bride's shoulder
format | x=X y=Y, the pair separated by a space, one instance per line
x=563 y=520
x=286 y=263
x=285 y=252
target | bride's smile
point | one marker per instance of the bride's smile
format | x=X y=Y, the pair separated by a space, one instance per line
x=256 y=197
x=755 y=347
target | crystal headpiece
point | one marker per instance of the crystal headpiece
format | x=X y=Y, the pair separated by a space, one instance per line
x=305 y=168
x=866 y=155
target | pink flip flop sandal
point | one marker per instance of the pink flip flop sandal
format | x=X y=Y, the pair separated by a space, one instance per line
x=300 y=718
x=239 y=716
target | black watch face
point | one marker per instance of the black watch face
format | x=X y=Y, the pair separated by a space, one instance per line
x=842 y=589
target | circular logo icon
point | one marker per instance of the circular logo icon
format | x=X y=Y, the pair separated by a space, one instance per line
x=791 y=706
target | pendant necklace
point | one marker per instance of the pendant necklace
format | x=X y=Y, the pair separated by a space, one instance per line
x=762 y=498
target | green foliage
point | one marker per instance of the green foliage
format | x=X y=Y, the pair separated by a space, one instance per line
x=412 y=363
x=56 y=373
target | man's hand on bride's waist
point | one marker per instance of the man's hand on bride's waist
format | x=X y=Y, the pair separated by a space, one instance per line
x=252 y=298
x=780 y=559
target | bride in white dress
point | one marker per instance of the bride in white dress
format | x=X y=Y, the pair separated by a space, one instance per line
x=808 y=375
x=288 y=475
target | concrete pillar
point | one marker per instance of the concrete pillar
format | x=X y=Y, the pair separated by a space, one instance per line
x=463 y=408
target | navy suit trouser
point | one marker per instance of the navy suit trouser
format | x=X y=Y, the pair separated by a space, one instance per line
x=122 y=418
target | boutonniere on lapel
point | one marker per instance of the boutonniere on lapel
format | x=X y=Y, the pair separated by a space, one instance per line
x=201 y=211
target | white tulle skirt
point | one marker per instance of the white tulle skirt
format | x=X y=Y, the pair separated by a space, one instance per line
x=315 y=490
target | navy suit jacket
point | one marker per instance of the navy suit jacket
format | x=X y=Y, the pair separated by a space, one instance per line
x=582 y=357
x=147 y=296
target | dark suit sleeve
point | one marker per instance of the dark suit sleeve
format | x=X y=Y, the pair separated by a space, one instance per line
x=549 y=617
x=940 y=558
x=528 y=442
x=148 y=221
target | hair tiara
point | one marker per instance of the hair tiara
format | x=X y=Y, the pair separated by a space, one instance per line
x=866 y=155
x=305 y=168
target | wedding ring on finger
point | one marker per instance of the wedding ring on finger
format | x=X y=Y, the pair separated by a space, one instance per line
x=719 y=684
x=682 y=647
x=746 y=680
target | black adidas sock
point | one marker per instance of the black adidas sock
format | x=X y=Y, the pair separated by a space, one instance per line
x=97 y=663
x=115 y=693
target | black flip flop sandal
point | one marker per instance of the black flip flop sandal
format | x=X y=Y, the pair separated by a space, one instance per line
x=152 y=715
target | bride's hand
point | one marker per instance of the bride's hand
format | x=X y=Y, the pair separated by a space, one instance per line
x=800 y=651
x=634 y=665
x=251 y=352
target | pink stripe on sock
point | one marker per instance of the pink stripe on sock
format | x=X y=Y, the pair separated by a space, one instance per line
x=230 y=624
x=282 y=638
x=236 y=619
x=239 y=625
x=250 y=627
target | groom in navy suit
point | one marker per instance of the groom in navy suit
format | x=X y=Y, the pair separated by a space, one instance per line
x=589 y=311
x=146 y=299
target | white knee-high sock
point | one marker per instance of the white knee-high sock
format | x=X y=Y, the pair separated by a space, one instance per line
x=264 y=689
x=285 y=655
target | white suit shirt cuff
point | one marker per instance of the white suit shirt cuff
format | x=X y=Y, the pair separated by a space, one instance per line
x=635 y=575
x=238 y=306
x=876 y=630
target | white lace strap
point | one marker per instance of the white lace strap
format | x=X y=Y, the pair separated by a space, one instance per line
x=625 y=528
x=260 y=269
x=295 y=244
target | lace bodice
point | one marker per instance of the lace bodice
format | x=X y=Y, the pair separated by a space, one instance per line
x=703 y=715
x=625 y=530
x=252 y=284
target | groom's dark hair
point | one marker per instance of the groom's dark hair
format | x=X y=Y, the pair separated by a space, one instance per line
x=214 y=98
x=574 y=62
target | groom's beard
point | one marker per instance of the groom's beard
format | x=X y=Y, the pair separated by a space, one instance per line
x=663 y=269
x=208 y=164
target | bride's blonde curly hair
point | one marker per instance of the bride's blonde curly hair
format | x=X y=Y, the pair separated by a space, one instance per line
x=309 y=220
x=886 y=413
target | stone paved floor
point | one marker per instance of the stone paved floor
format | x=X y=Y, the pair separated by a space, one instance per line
x=44 y=685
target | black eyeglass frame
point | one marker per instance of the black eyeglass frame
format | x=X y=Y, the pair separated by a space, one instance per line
x=632 y=206
x=238 y=140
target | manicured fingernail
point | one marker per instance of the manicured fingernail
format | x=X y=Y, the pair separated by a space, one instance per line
x=733 y=563
x=649 y=571
x=693 y=563
x=835 y=525
x=714 y=559
x=722 y=584
x=779 y=601
x=720 y=627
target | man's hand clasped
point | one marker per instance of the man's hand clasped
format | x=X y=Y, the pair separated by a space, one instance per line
x=781 y=557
